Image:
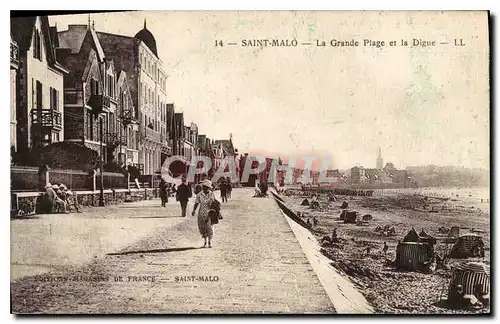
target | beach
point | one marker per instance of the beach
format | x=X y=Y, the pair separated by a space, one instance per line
x=390 y=291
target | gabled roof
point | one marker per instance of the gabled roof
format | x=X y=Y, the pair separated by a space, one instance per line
x=74 y=37
x=22 y=31
x=226 y=145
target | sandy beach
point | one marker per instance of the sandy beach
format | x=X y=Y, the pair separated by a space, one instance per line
x=388 y=290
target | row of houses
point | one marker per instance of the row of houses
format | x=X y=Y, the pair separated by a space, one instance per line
x=101 y=90
x=380 y=176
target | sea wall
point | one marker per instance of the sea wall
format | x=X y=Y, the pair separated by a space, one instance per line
x=342 y=292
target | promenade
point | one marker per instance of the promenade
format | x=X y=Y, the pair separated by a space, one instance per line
x=140 y=258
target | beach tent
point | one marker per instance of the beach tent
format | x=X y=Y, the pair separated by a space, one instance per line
x=305 y=202
x=467 y=245
x=413 y=255
x=469 y=281
x=344 y=205
x=367 y=218
x=426 y=238
x=343 y=214
x=412 y=236
x=351 y=217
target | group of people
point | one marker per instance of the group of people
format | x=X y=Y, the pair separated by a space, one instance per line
x=60 y=199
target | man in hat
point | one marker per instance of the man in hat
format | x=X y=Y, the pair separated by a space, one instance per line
x=183 y=194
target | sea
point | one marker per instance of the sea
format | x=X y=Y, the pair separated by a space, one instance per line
x=468 y=196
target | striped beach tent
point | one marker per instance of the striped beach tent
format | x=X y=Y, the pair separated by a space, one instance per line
x=467 y=245
x=413 y=255
x=468 y=279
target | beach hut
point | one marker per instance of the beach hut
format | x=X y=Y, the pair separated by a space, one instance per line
x=467 y=245
x=426 y=238
x=351 y=217
x=413 y=255
x=469 y=282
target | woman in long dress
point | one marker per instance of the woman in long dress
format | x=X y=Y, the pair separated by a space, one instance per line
x=204 y=199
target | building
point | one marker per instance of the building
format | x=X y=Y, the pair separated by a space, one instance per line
x=14 y=66
x=138 y=57
x=39 y=84
x=358 y=175
x=91 y=93
x=128 y=132
x=380 y=161
x=333 y=176
x=179 y=134
x=228 y=150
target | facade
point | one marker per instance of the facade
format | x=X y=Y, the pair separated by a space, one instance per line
x=90 y=93
x=358 y=175
x=39 y=85
x=332 y=175
x=138 y=57
x=128 y=126
x=14 y=66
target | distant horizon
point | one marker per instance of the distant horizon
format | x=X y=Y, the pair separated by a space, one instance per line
x=317 y=166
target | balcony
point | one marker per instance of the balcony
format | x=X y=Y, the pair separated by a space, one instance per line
x=128 y=117
x=153 y=135
x=14 y=55
x=46 y=118
x=99 y=103
x=115 y=139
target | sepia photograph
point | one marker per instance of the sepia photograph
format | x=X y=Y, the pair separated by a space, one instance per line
x=250 y=162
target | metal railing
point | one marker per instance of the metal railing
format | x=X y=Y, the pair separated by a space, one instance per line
x=115 y=139
x=46 y=118
x=14 y=54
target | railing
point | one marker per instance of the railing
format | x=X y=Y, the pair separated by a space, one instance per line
x=153 y=135
x=46 y=118
x=128 y=116
x=114 y=139
x=99 y=103
x=14 y=54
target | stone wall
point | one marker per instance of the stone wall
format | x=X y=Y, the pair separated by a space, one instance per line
x=24 y=204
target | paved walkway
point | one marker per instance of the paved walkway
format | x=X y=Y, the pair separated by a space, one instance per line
x=255 y=266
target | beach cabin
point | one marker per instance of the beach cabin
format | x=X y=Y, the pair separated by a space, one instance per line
x=467 y=245
x=469 y=284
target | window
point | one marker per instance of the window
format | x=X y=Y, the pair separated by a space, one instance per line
x=37 y=48
x=90 y=133
x=54 y=99
x=55 y=137
x=94 y=87
x=39 y=95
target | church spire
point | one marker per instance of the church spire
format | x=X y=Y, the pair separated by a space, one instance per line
x=380 y=161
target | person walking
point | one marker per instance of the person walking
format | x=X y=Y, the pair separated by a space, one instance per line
x=229 y=188
x=204 y=200
x=163 y=192
x=183 y=194
x=223 y=191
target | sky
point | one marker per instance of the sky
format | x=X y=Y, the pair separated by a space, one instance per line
x=420 y=105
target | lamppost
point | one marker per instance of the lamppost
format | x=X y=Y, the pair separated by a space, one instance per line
x=101 y=192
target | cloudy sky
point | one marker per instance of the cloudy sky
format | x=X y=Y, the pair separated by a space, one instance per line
x=421 y=105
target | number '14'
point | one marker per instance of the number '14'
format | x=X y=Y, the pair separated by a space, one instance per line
x=218 y=43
